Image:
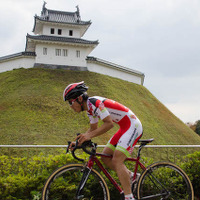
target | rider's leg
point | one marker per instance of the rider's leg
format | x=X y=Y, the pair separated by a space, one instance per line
x=110 y=148
x=108 y=161
x=122 y=171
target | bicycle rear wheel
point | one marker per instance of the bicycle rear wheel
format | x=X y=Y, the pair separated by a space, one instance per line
x=63 y=184
x=164 y=180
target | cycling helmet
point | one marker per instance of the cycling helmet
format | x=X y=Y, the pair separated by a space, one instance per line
x=74 y=90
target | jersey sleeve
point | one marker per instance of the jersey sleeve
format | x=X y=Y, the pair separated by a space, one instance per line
x=93 y=119
x=101 y=110
x=98 y=110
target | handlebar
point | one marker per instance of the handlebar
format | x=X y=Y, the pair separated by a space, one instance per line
x=83 y=146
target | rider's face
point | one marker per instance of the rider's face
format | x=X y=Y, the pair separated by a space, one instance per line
x=75 y=105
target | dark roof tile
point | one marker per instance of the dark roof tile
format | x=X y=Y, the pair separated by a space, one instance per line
x=113 y=65
x=24 y=53
x=62 y=17
x=62 y=39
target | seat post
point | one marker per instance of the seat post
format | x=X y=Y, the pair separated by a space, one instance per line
x=143 y=143
x=139 y=150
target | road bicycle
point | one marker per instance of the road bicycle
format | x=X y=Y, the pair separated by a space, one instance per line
x=161 y=180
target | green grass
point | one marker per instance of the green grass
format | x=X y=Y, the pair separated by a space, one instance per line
x=32 y=110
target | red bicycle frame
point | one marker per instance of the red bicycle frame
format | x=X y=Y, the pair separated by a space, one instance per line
x=93 y=159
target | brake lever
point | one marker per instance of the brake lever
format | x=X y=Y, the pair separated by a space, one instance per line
x=69 y=142
x=84 y=147
x=68 y=146
x=74 y=149
x=89 y=144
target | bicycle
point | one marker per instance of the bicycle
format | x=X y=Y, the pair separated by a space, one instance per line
x=161 y=180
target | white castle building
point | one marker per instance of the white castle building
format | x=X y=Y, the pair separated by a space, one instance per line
x=57 y=44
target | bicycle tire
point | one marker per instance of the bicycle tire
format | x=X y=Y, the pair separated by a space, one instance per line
x=62 y=184
x=171 y=178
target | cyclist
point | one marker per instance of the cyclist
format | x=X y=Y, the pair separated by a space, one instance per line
x=122 y=142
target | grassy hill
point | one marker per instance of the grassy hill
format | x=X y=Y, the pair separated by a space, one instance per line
x=32 y=110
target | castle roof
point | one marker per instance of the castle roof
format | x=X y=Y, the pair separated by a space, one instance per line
x=63 y=17
x=62 y=39
x=54 y=39
x=113 y=65
x=17 y=55
x=59 y=17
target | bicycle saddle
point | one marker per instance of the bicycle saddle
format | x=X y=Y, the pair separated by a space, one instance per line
x=144 y=142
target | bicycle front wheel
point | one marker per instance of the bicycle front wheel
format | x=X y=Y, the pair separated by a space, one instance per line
x=164 y=180
x=64 y=182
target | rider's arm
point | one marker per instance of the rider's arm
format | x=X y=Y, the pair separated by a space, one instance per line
x=107 y=125
x=92 y=127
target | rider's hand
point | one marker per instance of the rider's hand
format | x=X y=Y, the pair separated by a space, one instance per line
x=82 y=138
x=71 y=146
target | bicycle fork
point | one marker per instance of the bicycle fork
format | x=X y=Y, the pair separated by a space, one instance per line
x=86 y=173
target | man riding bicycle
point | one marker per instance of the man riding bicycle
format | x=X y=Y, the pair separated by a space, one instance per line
x=122 y=142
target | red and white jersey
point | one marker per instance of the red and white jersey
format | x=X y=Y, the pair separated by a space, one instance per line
x=100 y=107
x=130 y=126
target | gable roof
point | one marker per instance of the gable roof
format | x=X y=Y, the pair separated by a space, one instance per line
x=61 y=16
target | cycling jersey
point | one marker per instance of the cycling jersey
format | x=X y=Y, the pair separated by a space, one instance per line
x=130 y=126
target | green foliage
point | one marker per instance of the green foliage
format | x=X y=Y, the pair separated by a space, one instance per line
x=198 y=127
x=192 y=167
x=24 y=178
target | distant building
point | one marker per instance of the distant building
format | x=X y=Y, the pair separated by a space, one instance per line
x=57 y=44
x=189 y=124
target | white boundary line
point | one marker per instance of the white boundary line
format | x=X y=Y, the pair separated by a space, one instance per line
x=64 y=146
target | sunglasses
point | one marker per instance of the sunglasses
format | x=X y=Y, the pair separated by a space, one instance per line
x=71 y=102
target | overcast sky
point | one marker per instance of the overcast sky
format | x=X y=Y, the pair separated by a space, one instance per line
x=160 y=38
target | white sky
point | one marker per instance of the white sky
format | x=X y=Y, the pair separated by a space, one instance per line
x=160 y=38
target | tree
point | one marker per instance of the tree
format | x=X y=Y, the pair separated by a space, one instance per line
x=198 y=127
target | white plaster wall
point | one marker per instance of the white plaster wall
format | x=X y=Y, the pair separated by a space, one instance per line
x=19 y=62
x=71 y=59
x=65 y=31
x=94 y=67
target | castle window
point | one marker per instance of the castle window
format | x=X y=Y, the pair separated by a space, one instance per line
x=78 y=54
x=59 y=31
x=65 y=52
x=58 y=52
x=52 y=30
x=44 y=51
x=70 y=32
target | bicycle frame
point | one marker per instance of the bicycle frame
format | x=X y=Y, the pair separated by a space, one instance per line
x=93 y=159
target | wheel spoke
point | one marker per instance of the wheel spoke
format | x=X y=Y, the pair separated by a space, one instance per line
x=63 y=185
x=164 y=181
